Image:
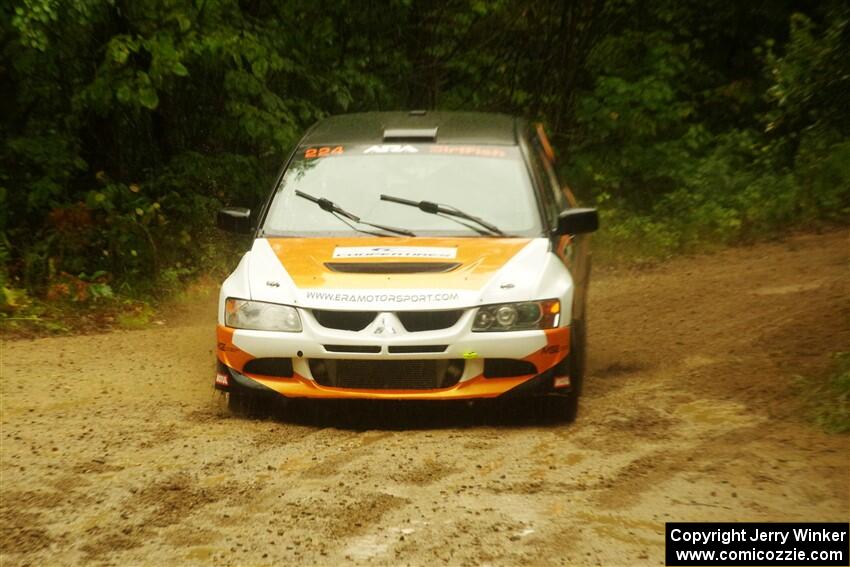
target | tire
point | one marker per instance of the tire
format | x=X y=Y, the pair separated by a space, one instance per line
x=563 y=408
x=560 y=408
x=578 y=355
x=245 y=403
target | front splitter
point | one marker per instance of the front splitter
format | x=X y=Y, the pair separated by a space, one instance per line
x=474 y=388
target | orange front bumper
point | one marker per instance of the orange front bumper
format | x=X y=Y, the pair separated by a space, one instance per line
x=297 y=386
x=478 y=387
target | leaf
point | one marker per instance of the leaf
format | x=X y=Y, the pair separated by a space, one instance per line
x=148 y=98
x=120 y=54
x=259 y=68
x=179 y=69
x=124 y=94
x=183 y=21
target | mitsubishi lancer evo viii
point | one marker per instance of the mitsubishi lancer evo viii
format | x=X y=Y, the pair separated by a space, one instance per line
x=410 y=256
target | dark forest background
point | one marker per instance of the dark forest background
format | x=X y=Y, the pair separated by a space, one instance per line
x=127 y=123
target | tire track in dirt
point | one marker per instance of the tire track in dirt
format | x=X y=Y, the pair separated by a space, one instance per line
x=115 y=450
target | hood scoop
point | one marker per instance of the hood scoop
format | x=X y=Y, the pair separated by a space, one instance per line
x=391 y=267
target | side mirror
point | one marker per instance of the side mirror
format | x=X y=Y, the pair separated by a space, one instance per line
x=577 y=221
x=235 y=219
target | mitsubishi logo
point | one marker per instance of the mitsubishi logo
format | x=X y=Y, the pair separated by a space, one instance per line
x=386 y=326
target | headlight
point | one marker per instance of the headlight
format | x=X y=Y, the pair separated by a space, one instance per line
x=260 y=316
x=518 y=316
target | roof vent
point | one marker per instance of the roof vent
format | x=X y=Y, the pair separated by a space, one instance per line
x=410 y=135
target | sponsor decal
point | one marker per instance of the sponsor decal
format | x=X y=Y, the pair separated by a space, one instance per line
x=562 y=381
x=221 y=379
x=378 y=297
x=394 y=252
x=324 y=151
x=470 y=354
x=391 y=149
x=475 y=151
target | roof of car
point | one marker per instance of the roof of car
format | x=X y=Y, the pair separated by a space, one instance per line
x=451 y=127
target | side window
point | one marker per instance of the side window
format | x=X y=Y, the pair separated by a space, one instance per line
x=551 y=207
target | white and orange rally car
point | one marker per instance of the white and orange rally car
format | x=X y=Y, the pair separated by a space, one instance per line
x=415 y=256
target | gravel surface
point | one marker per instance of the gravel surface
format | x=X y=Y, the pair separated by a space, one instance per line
x=117 y=451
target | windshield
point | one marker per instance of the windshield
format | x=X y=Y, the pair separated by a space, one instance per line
x=490 y=182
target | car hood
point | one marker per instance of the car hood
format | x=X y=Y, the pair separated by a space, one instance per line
x=389 y=273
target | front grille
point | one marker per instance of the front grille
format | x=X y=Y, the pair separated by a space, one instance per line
x=415 y=321
x=391 y=267
x=507 y=368
x=417 y=348
x=269 y=367
x=353 y=348
x=386 y=374
x=344 y=320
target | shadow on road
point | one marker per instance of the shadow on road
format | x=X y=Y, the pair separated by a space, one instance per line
x=404 y=415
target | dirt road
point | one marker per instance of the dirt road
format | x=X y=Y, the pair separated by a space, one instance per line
x=116 y=450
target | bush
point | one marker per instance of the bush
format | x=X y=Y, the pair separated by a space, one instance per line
x=126 y=125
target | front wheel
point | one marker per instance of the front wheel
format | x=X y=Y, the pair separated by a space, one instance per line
x=578 y=355
x=247 y=403
x=560 y=408
x=564 y=407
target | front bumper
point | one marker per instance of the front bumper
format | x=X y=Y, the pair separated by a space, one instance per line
x=543 y=349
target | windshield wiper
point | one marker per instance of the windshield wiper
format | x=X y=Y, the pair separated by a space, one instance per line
x=342 y=214
x=447 y=210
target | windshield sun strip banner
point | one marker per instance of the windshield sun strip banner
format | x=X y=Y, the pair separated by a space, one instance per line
x=460 y=150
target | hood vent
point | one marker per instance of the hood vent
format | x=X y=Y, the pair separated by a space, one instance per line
x=391 y=267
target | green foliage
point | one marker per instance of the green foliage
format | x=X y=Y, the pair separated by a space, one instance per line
x=138 y=318
x=131 y=123
x=675 y=175
x=127 y=124
x=828 y=397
